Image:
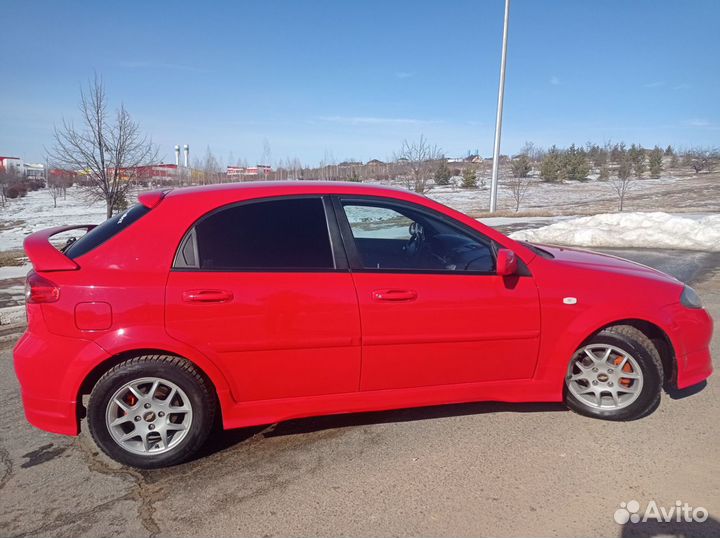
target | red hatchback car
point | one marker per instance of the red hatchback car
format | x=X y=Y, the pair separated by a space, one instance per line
x=264 y=302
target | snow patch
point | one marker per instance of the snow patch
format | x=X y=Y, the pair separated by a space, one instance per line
x=636 y=230
x=13 y=315
x=19 y=271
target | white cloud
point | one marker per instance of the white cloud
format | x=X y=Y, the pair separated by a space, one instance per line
x=656 y=84
x=554 y=80
x=404 y=74
x=682 y=86
x=698 y=122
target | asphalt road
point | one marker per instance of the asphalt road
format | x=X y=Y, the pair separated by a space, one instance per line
x=475 y=469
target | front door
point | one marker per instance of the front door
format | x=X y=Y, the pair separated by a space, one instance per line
x=433 y=310
x=256 y=289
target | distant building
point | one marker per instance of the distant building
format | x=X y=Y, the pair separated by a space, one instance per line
x=156 y=173
x=15 y=165
x=34 y=171
x=260 y=171
x=12 y=165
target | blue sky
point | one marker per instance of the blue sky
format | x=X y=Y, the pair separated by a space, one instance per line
x=353 y=79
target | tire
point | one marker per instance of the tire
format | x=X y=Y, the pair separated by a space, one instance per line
x=625 y=384
x=151 y=411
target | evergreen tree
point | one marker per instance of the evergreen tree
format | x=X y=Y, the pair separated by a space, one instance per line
x=617 y=153
x=551 y=165
x=521 y=166
x=636 y=155
x=655 y=163
x=604 y=173
x=639 y=167
x=469 y=180
x=669 y=151
x=443 y=174
x=574 y=164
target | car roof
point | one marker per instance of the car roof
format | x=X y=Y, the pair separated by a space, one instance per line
x=279 y=188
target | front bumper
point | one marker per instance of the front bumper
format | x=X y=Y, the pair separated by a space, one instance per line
x=691 y=332
x=51 y=369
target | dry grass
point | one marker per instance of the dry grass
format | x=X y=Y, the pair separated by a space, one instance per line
x=12 y=258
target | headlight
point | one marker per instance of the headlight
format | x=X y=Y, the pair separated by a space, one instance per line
x=690 y=298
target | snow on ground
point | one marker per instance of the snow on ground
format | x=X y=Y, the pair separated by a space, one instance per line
x=13 y=315
x=14 y=271
x=668 y=193
x=23 y=216
x=639 y=230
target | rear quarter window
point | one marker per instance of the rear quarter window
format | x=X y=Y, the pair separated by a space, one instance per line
x=105 y=231
x=289 y=234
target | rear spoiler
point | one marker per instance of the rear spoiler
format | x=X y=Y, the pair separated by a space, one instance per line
x=44 y=256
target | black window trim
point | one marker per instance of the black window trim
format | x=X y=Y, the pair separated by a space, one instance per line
x=355 y=261
x=339 y=257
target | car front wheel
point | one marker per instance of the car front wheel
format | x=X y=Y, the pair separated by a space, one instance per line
x=151 y=411
x=616 y=375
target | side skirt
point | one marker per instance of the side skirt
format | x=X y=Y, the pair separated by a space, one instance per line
x=244 y=414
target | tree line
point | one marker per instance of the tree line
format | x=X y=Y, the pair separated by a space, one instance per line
x=104 y=149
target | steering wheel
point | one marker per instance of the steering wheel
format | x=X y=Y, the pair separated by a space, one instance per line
x=417 y=240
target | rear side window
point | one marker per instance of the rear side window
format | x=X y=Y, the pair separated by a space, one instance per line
x=110 y=228
x=276 y=234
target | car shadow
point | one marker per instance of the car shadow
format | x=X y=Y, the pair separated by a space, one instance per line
x=221 y=440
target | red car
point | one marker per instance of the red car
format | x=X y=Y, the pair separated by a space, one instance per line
x=264 y=302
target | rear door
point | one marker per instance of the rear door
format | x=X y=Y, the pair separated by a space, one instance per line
x=433 y=310
x=263 y=290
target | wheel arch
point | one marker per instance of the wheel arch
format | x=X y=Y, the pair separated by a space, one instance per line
x=556 y=355
x=659 y=338
x=216 y=381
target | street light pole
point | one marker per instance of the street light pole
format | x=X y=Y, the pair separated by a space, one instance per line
x=498 y=119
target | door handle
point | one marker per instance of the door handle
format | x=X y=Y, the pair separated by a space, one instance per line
x=394 y=295
x=207 y=296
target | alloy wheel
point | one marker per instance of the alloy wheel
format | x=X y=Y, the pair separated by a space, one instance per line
x=603 y=376
x=149 y=416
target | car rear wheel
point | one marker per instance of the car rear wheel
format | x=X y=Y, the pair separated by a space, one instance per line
x=151 y=411
x=616 y=375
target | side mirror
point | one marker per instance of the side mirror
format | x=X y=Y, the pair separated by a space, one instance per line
x=507 y=263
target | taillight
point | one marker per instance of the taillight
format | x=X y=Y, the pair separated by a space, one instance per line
x=39 y=289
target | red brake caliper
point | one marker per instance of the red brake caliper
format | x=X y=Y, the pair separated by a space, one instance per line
x=627 y=368
x=131 y=399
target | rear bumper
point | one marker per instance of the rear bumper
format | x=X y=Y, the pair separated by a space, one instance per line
x=55 y=416
x=50 y=370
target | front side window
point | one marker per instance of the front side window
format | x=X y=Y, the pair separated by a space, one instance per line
x=276 y=234
x=397 y=237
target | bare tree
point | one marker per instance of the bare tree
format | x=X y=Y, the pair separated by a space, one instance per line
x=521 y=166
x=700 y=159
x=55 y=188
x=210 y=169
x=107 y=150
x=623 y=181
x=518 y=187
x=418 y=160
x=7 y=177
